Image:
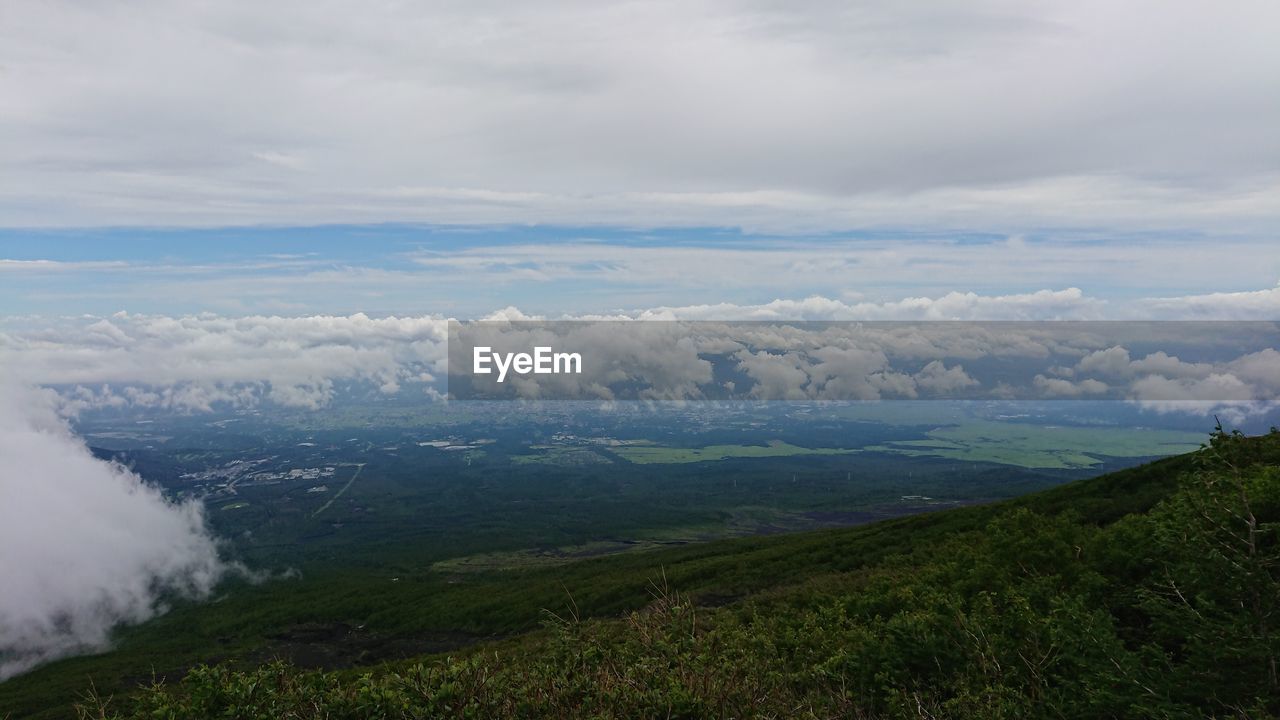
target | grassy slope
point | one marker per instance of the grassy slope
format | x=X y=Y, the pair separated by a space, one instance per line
x=436 y=609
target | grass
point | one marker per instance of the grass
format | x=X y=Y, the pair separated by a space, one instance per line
x=739 y=522
x=645 y=455
x=560 y=455
x=1042 y=446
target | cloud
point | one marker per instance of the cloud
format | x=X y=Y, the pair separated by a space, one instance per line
x=1059 y=388
x=1112 y=361
x=1039 y=305
x=1217 y=387
x=859 y=373
x=1260 y=304
x=195 y=362
x=471 y=271
x=1235 y=389
x=1261 y=368
x=701 y=112
x=199 y=362
x=941 y=380
x=777 y=376
x=672 y=359
x=85 y=544
x=1065 y=304
x=1161 y=363
x=1240 y=386
x=916 y=262
x=790 y=360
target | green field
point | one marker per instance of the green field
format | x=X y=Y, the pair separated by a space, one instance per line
x=560 y=455
x=644 y=455
x=1025 y=445
x=1042 y=446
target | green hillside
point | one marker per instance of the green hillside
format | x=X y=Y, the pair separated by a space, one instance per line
x=1150 y=592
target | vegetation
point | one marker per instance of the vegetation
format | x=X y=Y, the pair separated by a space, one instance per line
x=1042 y=446
x=775 y=448
x=1151 y=592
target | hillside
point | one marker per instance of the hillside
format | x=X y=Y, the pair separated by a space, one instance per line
x=1148 y=592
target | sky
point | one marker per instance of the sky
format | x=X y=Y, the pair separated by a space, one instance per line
x=470 y=271
x=986 y=114
x=958 y=159
x=460 y=157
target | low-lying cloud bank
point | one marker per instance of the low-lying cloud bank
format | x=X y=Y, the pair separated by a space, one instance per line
x=1066 y=304
x=1223 y=363
x=85 y=544
x=194 y=363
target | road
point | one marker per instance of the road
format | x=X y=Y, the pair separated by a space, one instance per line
x=356 y=474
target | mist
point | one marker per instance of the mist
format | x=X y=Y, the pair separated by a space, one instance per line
x=85 y=544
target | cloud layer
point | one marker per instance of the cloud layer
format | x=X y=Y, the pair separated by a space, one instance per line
x=788 y=360
x=756 y=114
x=407 y=270
x=193 y=363
x=85 y=544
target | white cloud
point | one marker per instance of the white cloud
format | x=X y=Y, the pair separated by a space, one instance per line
x=1240 y=386
x=777 y=376
x=1039 y=305
x=195 y=363
x=1066 y=304
x=192 y=363
x=1261 y=368
x=916 y=277
x=1112 y=361
x=56 y=266
x=1155 y=390
x=1161 y=363
x=85 y=544
x=938 y=266
x=858 y=373
x=1059 y=388
x=943 y=381
x=1259 y=304
x=976 y=114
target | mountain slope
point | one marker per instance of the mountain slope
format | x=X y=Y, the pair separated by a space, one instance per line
x=1106 y=596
